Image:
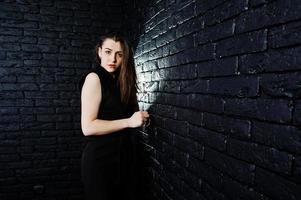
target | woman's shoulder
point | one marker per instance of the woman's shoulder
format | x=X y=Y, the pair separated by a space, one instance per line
x=92 y=76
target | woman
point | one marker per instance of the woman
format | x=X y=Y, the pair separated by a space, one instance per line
x=108 y=109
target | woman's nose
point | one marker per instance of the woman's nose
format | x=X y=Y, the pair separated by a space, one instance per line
x=113 y=58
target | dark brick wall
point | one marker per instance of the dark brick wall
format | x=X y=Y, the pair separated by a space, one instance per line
x=45 y=47
x=221 y=79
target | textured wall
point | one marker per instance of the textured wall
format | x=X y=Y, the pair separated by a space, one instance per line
x=45 y=46
x=222 y=81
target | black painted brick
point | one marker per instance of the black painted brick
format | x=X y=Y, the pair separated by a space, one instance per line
x=239 y=170
x=281 y=85
x=241 y=44
x=206 y=172
x=208 y=138
x=285 y=35
x=276 y=12
x=206 y=103
x=282 y=188
x=217 y=32
x=235 y=128
x=283 y=137
x=263 y=109
x=261 y=155
x=221 y=67
x=234 y=86
x=270 y=62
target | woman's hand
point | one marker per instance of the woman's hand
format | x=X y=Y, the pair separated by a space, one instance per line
x=137 y=119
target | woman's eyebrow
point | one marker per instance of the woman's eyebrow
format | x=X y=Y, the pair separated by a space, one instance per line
x=112 y=50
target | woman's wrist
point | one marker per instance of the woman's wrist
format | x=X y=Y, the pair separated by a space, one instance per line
x=126 y=123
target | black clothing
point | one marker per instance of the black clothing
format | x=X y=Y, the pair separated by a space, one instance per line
x=107 y=160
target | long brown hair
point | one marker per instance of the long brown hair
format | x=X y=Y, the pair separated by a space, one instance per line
x=127 y=77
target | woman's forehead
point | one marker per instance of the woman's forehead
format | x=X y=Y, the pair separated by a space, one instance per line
x=111 y=44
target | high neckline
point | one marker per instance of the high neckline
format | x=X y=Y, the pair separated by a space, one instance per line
x=108 y=74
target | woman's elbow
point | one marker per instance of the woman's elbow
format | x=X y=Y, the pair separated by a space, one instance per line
x=86 y=130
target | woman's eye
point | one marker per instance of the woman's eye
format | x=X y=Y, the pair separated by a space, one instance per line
x=107 y=52
x=120 y=55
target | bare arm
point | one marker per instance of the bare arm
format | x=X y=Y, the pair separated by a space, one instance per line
x=90 y=102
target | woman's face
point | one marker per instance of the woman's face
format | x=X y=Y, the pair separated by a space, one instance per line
x=110 y=54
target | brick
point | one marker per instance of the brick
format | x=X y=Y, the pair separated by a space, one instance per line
x=206 y=103
x=9 y=118
x=163 y=110
x=190 y=193
x=281 y=85
x=206 y=172
x=184 y=14
x=164 y=135
x=8 y=110
x=23 y=55
x=297 y=113
x=239 y=86
x=202 y=6
x=254 y=3
x=39 y=48
x=181 y=44
x=2 y=55
x=40 y=18
x=273 y=13
x=214 y=33
x=200 y=53
x=176 y=100
x=221 y=67
x=37 y=110
x=239 y=170
x=19 y=24
x=282 y=189
x=236 y=128
x=10 y=94
x=245 y=43
x=9 y=47
x=189 y=27
x=297 y=168
x=191 y=116
x=225 y=11
x=210 y=193
x=54 y=87
x=208 y=138
x=262 y=156
x=282 y=137
x=194 y=86
x=19 y=87
x=285 y=35
x=11 y=15
x=43 y=95
x=181 y=158
x=270 y=62
x=8 y=79
x=234 y=190
x=16 y=102
x=10 y=64
x=189 y=146
x=175 y=126
x=175 y=73
x=55 y=11
x=5 y=38
x=263 y=109
x=41 y=33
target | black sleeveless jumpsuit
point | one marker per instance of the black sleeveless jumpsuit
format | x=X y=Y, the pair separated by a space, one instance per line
x=107 y=160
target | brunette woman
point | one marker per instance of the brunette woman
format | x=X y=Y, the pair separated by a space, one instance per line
x=108 y=110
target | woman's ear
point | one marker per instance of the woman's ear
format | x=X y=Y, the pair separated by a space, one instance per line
x=99 y=52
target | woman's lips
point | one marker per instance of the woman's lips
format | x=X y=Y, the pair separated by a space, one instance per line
x=112 y=66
